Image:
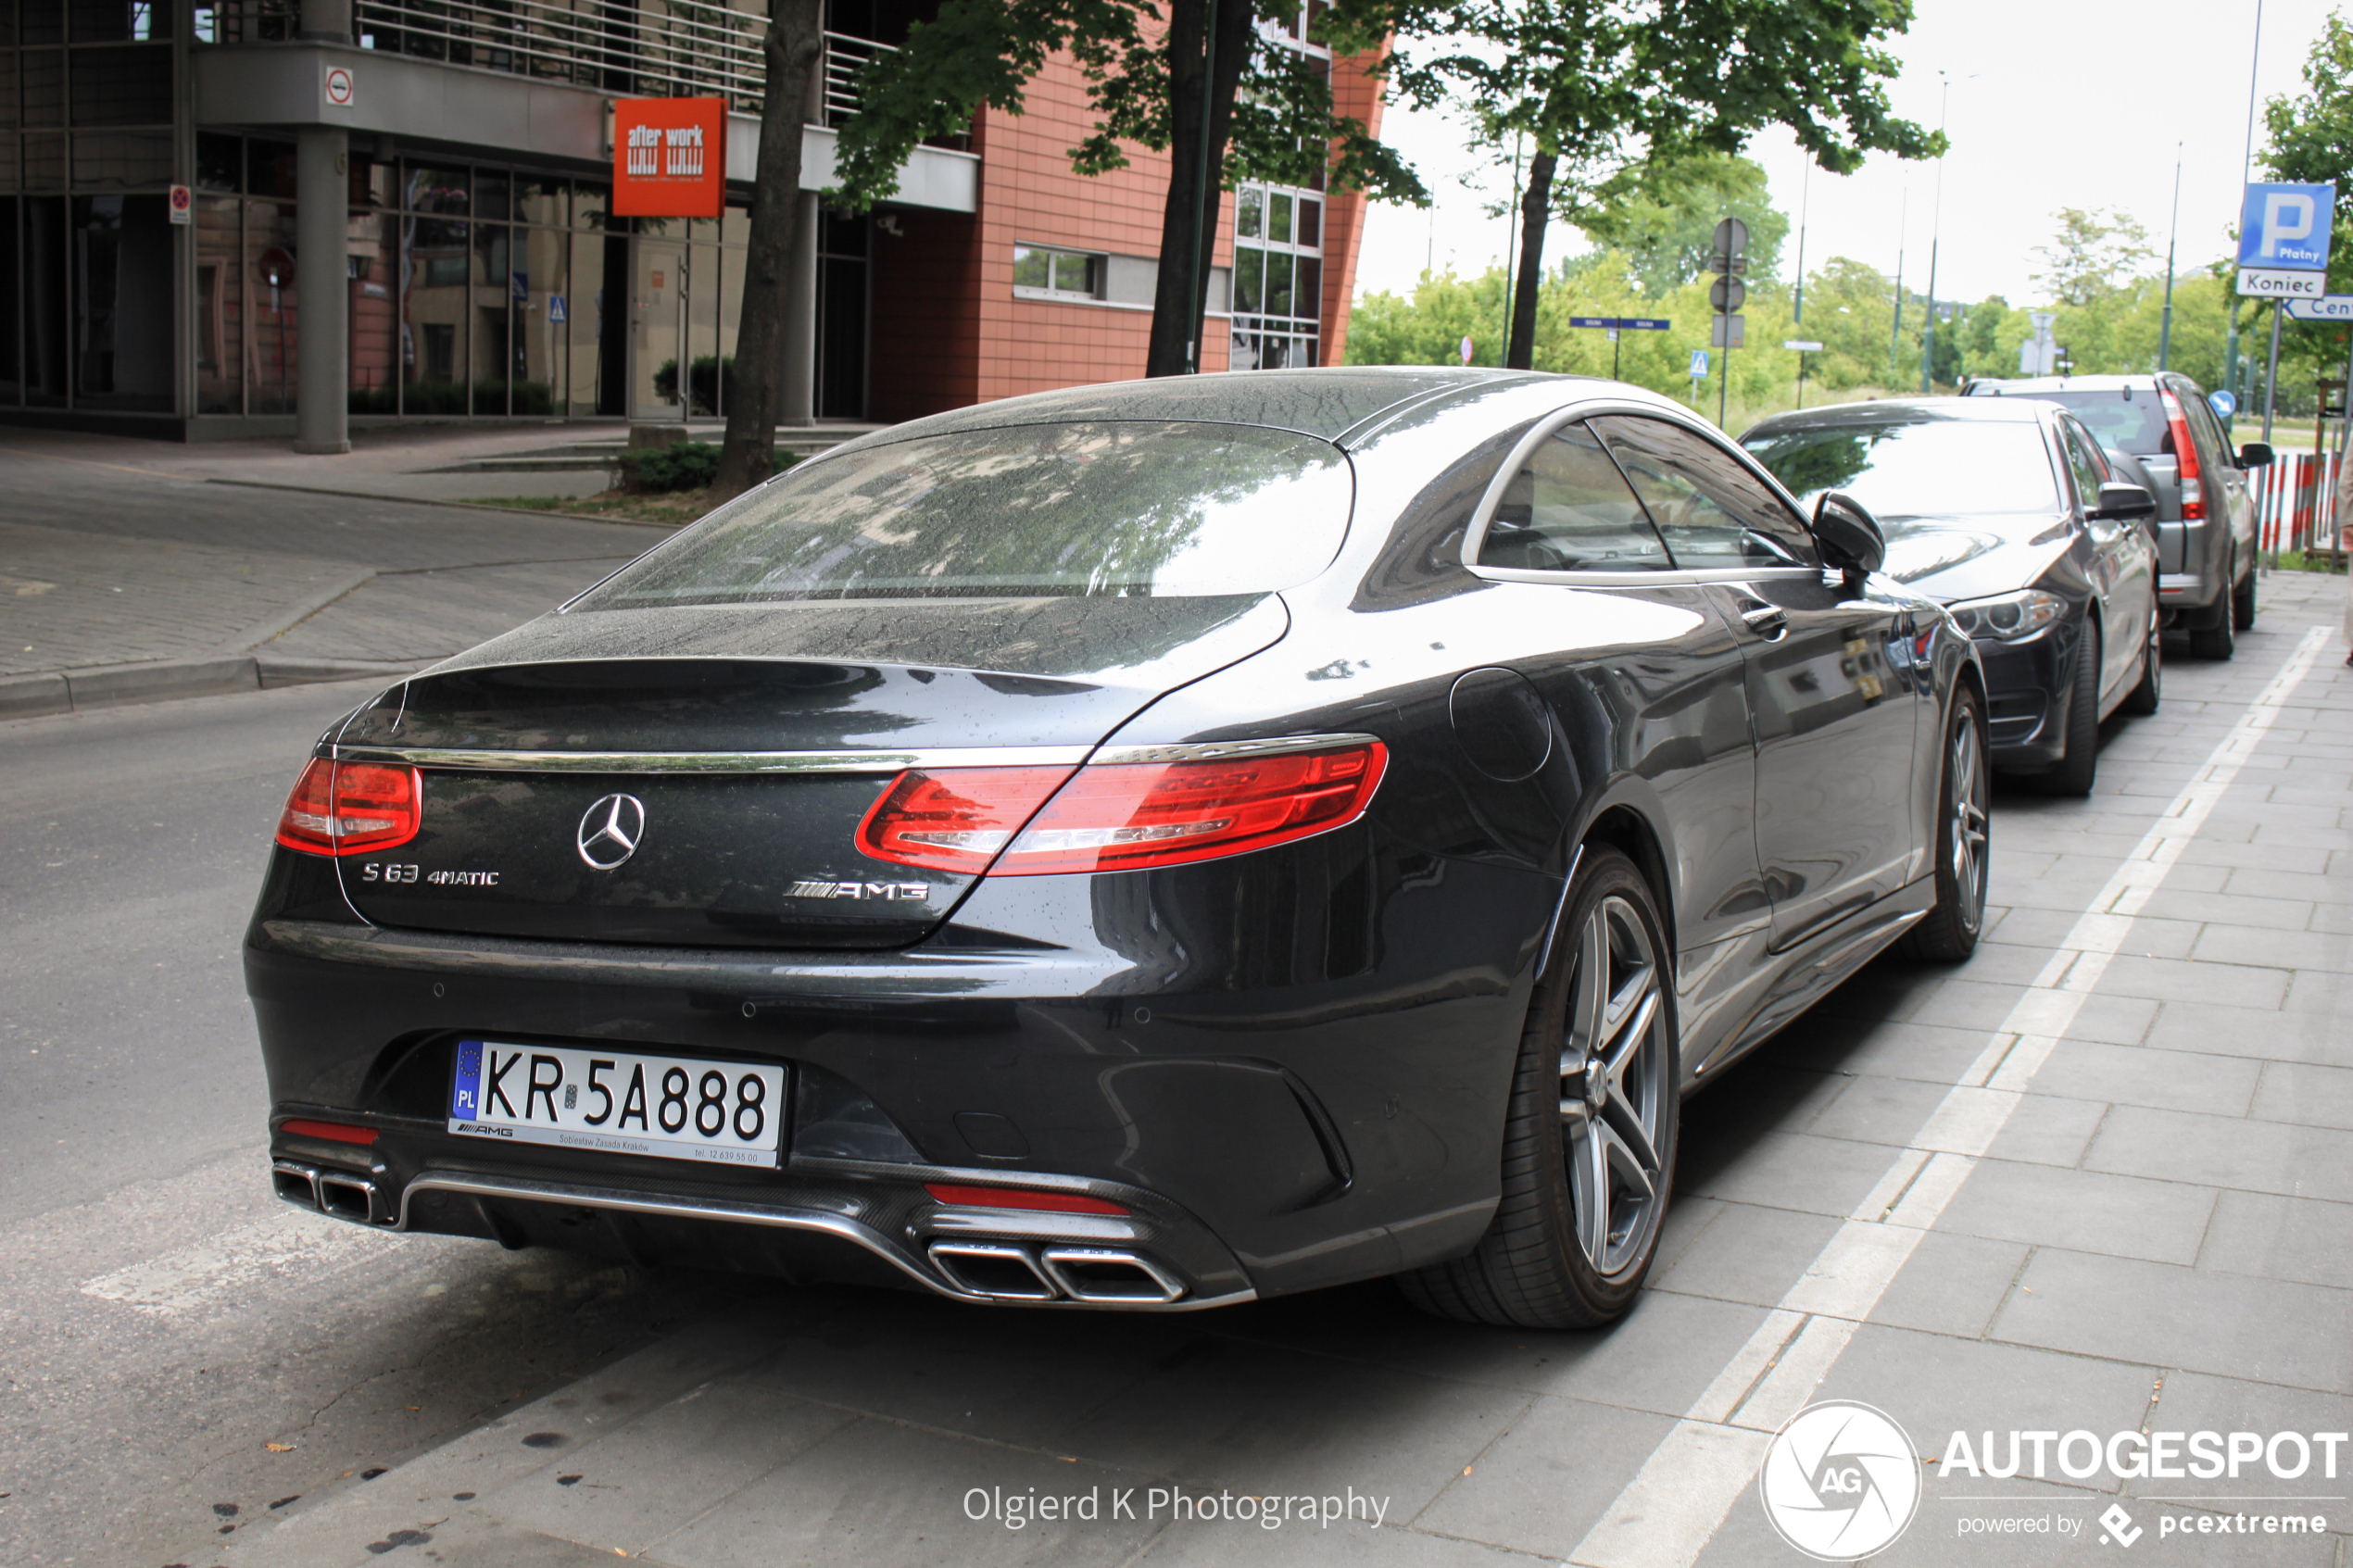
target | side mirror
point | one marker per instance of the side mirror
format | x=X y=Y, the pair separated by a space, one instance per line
x=2124 y=502
x=1848 y=535
x=2255 y=454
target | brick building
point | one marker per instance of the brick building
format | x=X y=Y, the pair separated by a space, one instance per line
x=466 y=265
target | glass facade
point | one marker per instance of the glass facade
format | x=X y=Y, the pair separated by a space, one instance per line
x=87 y=316
x=1278 y=248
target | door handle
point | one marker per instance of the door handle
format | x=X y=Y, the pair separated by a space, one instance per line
x=1768 y=622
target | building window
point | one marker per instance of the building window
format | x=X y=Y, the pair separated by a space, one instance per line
x=1278 y=277
x=1278 y=246
x=1041 y=274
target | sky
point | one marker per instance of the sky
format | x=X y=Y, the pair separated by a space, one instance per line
x=2052 y=104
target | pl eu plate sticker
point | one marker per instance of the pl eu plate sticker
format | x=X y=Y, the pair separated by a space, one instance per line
x=465 y=1100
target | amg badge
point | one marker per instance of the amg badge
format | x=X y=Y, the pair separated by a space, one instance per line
x=900 y=892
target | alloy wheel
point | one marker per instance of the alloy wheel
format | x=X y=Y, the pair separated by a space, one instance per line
x=1969 y=822
x=1614 y=1088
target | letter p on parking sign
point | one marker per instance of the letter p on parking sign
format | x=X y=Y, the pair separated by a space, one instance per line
x=2286 y=226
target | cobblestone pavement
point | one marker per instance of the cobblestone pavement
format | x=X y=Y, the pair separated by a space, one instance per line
x=118 y=551
x=2097 y=1180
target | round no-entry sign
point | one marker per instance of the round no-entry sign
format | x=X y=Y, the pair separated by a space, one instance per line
x=338 y=87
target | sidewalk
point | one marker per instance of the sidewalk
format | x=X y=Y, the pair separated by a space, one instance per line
x=135 y=570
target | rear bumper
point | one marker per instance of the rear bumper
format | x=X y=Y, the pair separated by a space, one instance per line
x=846 y=1222
x=1285 y=1093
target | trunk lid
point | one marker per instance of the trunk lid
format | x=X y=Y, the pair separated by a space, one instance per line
x=695 y=775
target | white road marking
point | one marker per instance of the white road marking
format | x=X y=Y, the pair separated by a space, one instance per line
x=1675 y=1503
x=288 y=1245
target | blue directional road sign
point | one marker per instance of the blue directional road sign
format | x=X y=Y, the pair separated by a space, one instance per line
x=2286 y=227
x=2223 y=403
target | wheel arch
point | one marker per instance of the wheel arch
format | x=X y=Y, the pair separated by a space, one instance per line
x=1620 y=826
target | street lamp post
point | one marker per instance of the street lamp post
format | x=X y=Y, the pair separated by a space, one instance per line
x=2165 y=328
x=2231 y=336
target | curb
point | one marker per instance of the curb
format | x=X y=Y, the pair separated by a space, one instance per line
x=114 y=685
x=420 y=501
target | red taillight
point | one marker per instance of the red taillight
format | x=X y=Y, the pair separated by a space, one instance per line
x=335 y=1132
x=2185 y=459
x=348 y=808
x=954 y=819
x=1020 y=1198
x=1123 y=816
x=1118 y=816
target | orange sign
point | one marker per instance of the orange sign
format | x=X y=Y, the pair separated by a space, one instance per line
x=670 y=157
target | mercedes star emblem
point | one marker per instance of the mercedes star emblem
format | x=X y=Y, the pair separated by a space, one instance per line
x=610 y=831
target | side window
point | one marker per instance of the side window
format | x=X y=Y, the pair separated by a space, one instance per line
x=2085 y=462
x=1568 y=509
x=1713 y=513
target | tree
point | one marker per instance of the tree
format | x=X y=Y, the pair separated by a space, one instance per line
x=1602 y=86
x=1664 y=218
x=2082 y=263
x=2310 y=141
x=796 y=34
x=1269 y=112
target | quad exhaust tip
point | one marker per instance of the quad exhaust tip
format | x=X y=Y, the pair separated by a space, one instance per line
x=334 y=1192
x=1098 y=1277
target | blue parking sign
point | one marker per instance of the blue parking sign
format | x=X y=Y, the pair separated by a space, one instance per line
x=2286 y=227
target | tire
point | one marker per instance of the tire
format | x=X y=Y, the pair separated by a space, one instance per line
x=1948 y=934
x=2143 y=698
x=1554 y=1257
x=2242 y=604
x=2076 y=766
x=2216 y=642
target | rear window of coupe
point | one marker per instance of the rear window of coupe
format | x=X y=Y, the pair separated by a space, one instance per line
x=1110 y=509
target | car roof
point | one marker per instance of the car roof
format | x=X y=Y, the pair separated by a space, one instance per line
x=2029 y=385
x=1904 y=411
x=1326 y=403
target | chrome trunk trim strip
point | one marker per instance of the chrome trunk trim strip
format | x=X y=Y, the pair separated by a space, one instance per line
x=718 y=761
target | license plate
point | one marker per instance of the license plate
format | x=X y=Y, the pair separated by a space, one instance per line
x=728 y=1112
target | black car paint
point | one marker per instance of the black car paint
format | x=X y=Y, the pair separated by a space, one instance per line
x=1291 y=1064
x=2104 y=572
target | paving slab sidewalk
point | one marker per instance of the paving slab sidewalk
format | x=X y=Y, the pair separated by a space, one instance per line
x=137 y=571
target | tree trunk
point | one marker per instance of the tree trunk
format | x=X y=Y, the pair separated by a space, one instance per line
x=1182 y=293
x=796 y=32
x=1535 y=210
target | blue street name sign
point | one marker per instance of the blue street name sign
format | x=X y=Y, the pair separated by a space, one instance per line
x=2286 y=227
x=1623 y=324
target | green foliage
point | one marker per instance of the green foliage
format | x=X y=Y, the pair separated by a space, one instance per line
x=2082 y=263
x=1664 y=218
x=688 y=465
x=986 y=52
x=2310 y=141
x=449 y=400
x=705 y=378
x=1609 y=84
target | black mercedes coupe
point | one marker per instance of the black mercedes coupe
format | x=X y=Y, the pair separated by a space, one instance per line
x=1146 y=846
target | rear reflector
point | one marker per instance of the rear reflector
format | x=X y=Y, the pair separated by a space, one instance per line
x=1019 y=1197
x=1123 y=816
x=350 y=808
x=335 y=1132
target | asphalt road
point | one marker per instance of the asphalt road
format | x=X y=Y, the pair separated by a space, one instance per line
x=130 y=844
